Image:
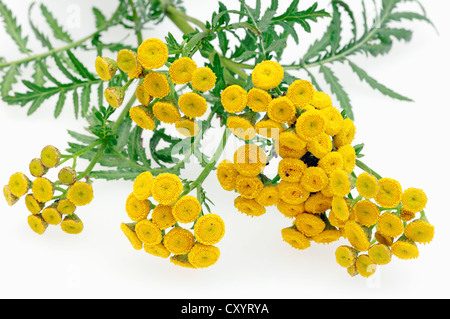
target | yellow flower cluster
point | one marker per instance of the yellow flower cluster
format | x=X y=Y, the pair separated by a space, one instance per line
x=156 y=227
x=40 y=200
x=155 y=92
x=316 y=175
x=379 y=223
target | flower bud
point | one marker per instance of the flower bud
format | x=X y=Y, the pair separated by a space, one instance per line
x=106 y=68
x=115 y=96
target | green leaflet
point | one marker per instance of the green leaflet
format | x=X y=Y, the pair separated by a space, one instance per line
x=58 y=31
x=363 y=76
x=13 y=29
x=338 y=90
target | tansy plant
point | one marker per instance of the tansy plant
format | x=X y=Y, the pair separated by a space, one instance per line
x=174 y=90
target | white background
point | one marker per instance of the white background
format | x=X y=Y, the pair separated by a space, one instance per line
x=405 y=141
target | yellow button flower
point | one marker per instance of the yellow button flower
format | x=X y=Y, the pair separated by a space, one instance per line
x=234 y=99
x=137 y=209
x=267 y=75
x=356 y=235
x=281 y=110
x=166 y=112
x=390 y=193
x=390 y=225
x=366 y=212
x=37 y=169
x=187 y=209
x=42 y=189
x=380 y=254
x=365 y=266
x=181 y=71
x=37 y=224
x=226 y=174
x=80 y=193
x=19 y=184
x=156 y=85
x=258 y=100
x=405 y=249
x=179 y=241
x=345 y=256
x=203 y=79
x=249 y=207
x=295 y=238
x=128 y=231
x=367 y=185
x=414 y=200
x=241 y=127
x=142 y=186
x=209 y=229
x=162 y=216
x=166 y=188
x=420 y=231
x=105 y=67
x=72 y=225
x=51 y=215
x=187 y=127
x=301 y=93
x=153 y=53
x=157 y=250
x=141 y=116
x=309 y=224
x=148 y=232
x=192 y=104
x=202 y=256
x=310 y=124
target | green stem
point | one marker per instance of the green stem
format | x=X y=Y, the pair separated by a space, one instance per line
x=137 y=28
x=81 y=152
x=367 y=169
x=211 y=165
x=94 y=161
x=173 y=13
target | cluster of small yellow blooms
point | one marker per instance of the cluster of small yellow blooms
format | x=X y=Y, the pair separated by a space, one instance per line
x=46 y=208
x=156 y=227
x=316 y=175
x=156 y=91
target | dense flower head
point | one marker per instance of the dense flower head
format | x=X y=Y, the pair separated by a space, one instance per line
x=267 y=75
x=152 y=53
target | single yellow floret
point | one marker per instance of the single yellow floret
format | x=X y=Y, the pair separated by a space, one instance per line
x=331 y=162
x=414 y=200
x=367 y=185
x=290 y=210
x=141 y=116
x=166 y=188
x=356 y=235
x=258 y=100
x=314 y=179
x=37 y=224
x=142 y=186
x=19 y=184
x=321 y=100
x=33 y=205
x=390 y=225
x=250 y=160
x=162 y=216
x=405 y=249
x=390 y=193
x=156 y=85
x=202 y=256
x=334 y=118
x=65 y=207
x=182 y=70
x=127 y=61
x=203 y=79
x=309 y=224
x=72 y=225
x=346 y=135
x=310 y=124
x=157 y=250
x=249 y=207
x=366 y=212
x=37 y=169
x=148 y=232
x=192 y=104
x=292 y=193
x=365 y=266
x=380 y=254
x=51 y=215
x=152 y=54
x=187 y=209
x=137 y=209
x=128 y=230
x=295 y=238
x=226 y=174
x=301 y=93
x=234 y=99
x=268 y=196
x=281 y=110
x=80 y=193
x=106 y=68
x=420 y=231
x=187 y=127
x=209 y=229
x=291 y=169
x=247 y=186
x=269 y=128
x=166 y=112
x=9 y=197
x=179 y=241
x=345 y=256
x=340 y=208
x=267 y=75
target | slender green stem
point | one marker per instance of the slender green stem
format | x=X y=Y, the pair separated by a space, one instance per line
x=137 y=27
x=367 y=169
x=81 y=152
x=211 y=165
x=172 y=11
x=94 y=161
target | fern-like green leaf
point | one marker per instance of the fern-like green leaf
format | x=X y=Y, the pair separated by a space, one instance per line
x=13 y=29
x=338 y=90
x=58 y=31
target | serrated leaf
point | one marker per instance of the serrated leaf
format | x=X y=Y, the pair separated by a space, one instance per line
x=13 y=29
x=85 y=99
x=86 y=139
x=76 y=103
x=58 y=31
x=8 y=80
x=301 y=17
x=36 y=104
x=338 y=90
x=111 y=175
x=363 y=76
x=80 y=67
x=100 y=20
x=60 y=104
